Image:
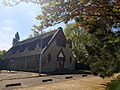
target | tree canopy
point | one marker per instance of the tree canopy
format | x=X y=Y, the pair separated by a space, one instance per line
x=78 y=37
x=100 y=52
x=2 y=53
x=89 y=13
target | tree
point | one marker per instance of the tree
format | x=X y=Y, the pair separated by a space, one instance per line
x=78 y=37
x=2 y=53
x=103 y=58
x=89 y=13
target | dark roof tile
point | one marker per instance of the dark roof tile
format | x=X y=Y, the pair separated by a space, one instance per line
x=31 y=43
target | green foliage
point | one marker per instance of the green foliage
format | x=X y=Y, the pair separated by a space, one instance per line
x=88 y=13
x=104 y=54
x=78 y=37
x=2 y=53
x=114 y=84
x=35 y=33
x=100 y=50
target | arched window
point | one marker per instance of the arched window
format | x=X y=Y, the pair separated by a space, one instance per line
x=49 y=57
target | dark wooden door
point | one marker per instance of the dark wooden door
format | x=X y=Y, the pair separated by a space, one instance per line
x=61 y=63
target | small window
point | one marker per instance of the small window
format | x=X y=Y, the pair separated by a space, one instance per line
x=49 y=57
x=70 y=59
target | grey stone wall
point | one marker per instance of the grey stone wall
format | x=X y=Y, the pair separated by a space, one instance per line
x=54 y=50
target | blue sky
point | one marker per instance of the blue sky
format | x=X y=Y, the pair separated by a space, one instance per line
x=19 y=18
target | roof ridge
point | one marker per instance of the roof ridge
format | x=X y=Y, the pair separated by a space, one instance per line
x=33 y=38
x=50 y=40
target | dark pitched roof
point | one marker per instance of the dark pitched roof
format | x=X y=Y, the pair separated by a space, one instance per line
x=31 y=43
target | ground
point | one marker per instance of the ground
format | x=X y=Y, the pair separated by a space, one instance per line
x=91 y=83
x=30 y=81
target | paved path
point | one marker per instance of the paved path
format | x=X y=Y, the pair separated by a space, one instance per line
x=31 y=81
x=35 y=81
x=6 y=75
x=84 y=83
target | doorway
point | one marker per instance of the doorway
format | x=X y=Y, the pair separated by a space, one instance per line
x=61 y=60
